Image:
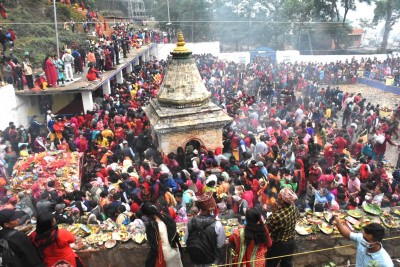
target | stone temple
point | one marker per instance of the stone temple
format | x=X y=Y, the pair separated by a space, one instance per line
x=182 y=112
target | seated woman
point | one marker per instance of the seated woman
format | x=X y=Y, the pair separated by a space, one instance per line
x=40 y=82
x=93 y=73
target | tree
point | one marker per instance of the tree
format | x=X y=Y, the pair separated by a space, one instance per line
x=328 y=11
x=389 y=11
x=366 y=24
x=190 y=16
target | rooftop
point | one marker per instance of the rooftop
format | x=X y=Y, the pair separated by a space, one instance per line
x=82 y=84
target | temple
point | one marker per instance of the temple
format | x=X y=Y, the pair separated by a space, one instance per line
x=182 y=112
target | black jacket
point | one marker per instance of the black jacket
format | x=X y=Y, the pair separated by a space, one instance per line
x=26 y=254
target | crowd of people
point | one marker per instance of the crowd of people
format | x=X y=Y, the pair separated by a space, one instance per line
x=100 y=56
x=380 y=70
x=290 y=148
x=297 y=142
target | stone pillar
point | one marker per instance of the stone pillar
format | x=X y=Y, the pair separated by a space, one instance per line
x=120 y=78
x=129 y=68
x=87 y=100
x=148 y=54
x=144 y=57
x=106 y=88
x=136 y=62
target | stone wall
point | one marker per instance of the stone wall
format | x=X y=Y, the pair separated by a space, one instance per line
x=18 y=109
x=131 y=254
x=210 y=138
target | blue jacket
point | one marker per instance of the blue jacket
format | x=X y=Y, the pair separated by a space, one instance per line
x=171 y=184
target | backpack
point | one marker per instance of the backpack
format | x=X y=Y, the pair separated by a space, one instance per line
x=7 y=255
x=201 y=244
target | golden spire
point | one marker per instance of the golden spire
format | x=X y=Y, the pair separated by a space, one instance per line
x=181 y=49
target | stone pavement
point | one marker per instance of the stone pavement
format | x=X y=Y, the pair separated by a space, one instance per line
x=376 y=96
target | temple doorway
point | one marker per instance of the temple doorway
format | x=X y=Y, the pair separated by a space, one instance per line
x=194 y=143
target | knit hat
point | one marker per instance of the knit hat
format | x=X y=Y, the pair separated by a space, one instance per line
x=288 y=195
x=206 y=202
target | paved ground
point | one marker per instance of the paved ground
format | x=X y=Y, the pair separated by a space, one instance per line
x=382 y=98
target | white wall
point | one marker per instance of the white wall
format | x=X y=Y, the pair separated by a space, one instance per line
x=333 y=58
x=196 y=48
x=238 y=57
x=15 y=108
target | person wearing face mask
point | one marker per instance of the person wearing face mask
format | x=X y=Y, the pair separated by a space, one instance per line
x=369 y=247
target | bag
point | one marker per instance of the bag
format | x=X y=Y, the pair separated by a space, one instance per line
x=201 y=244
x=7 y=255
x=380 y=139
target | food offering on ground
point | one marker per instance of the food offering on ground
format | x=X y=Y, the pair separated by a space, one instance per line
x=302 y=229
x=230 y=226
x=390 y=221
x=39 y=168
x=372 y=209
x=139 y=238
x=110 y=243
x=328 y=215
x=358 y=214
x=341 y=213
x=396 y=211
x=326 y=228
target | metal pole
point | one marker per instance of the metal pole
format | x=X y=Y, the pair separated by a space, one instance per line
x=169 y=19
x=55 y=25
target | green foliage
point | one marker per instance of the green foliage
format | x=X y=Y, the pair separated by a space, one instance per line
x=34 y=26
x=381 y=9
x=63 y=11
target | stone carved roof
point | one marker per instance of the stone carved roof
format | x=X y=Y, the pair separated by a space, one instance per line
x=182 y=86
x=183 y=102
x=170 y=120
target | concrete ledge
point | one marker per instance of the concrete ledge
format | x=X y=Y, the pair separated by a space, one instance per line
x=380 y=86
x=83 y=85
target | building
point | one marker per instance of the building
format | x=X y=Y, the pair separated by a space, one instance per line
x=182 y=113
x=355 y=37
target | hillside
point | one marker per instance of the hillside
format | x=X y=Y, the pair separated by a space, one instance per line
x=33 y=23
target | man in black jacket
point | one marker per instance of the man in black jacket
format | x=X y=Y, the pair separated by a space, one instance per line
x=25 y=252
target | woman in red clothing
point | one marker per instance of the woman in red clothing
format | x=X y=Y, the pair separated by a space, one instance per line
x=54 y=243
x=93 y=73
x=252 y=241
x=50 y=72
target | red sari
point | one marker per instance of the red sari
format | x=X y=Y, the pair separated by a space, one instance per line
x=59 y=250
x=92 y=74
x=247 y=253
x=51 y=73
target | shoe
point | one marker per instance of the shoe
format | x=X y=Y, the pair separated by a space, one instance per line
x=66 y=80
x=72 y=80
